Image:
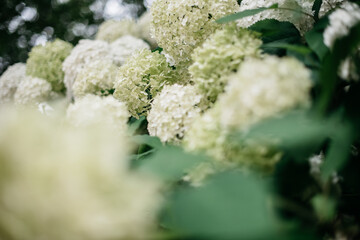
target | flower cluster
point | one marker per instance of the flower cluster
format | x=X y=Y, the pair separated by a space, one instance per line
x=111 y=30
x=263 y=88
x=58 y=182
x=341 y=21
x=298 y=12
x=179 y=26
x=10 y=80
x=46 y=62
x=95 y=78
x=141 y=78
x=82 y=55
x=95 y=111
x=32 y=90
x=329 y=5
x=124 y=47
x=144 y=28
x=173 y=111
x=212 y=62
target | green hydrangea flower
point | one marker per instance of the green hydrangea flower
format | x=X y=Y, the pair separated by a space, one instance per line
x=141 y=78
x=179 y=26
x=46 y=62
x=220 y=56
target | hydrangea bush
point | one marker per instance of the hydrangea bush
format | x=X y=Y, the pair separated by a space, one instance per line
x=242 y=124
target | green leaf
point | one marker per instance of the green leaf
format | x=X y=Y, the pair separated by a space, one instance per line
x=153 y=142
x=171 y=163
x=316 y=8
x=229 y=206
x=135 y=124
x=315 y=39
x=296 y=48
x=245 y=13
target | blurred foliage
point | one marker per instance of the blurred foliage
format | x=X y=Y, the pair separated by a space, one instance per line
x=26 y=23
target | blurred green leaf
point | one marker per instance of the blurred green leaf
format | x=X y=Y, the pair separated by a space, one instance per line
x=135 y=124
x=296 y=48
x=315 y=39
x=229 y=206
x=151 y=141
x=171 y=163
x=245 y=13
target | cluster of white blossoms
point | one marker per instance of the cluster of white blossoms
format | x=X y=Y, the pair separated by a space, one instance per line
x=144 y=23
x=124 y=47
x=10 y=80
x=95 y=78
x=111 y=30
x=173 y=111
x=96 y=111
x=141 y=78
x=179 y=26
x=298 y=12
x=46 y=62
x=341 y=21
x=263 y=88
x=329 y=5
x=32 y=90
x=85 y=52
x=221 y=55
x=58 y=182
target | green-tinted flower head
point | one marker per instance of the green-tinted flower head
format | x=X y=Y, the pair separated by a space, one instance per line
x=220 y=56
x=96 y=78
x=141 y=78
x=179 y=26
x=46 y=62
x=111 y=30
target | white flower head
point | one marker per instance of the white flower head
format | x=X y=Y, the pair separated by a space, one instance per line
x=10 y=80
x=32 y=90
x=111 y=30
x=263 y=88
x=125 y=46
x=96 y=111
x=83 y=54
x=179 y=26
x=97 y=78
x=297 y=12
x=58 y=182
x=329 y=5
x=144 y=28
x=341 y=21
x=173 y=111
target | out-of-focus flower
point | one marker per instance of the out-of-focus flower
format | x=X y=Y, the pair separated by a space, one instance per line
x=83 y=54
x=263 y=88
x=179 y=26
x=92 y=110
x=298 y=12
x=341 y=21
x=144 y=28
x=124 y=47
x=97 y=78
x=46 y=62
x=10 y=80
x=58 y=182
x=111 y=30
x=329 y=5
x=220 y=56
x=173 y=111
x=32 y=90
x=141 y=78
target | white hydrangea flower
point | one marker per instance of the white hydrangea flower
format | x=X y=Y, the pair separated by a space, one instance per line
x=329 y=5
x=179 y=26
x=32 y=90
x=97 y=78
x=144 y=28
x=220 y=55
x=138 y=81
x=58 y=182
x=111 y=30
x=82 y=55
x=315 y=162
x=124 y=47
x=96 y=111
x=263 y=88
x=302 y=21
x=10 y=80
x=341 y=21
x=173 y=111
